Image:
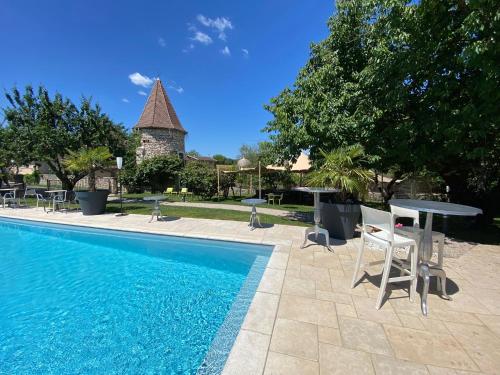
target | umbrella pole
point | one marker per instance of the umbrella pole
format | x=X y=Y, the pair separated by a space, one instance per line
x=260 y=187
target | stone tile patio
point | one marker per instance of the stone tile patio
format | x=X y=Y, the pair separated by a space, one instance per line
x=305 y=319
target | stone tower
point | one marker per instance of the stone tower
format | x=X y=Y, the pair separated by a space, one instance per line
x=159 y=127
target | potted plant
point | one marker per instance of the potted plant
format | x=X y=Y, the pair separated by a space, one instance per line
x=343 y=169
x=90 y=160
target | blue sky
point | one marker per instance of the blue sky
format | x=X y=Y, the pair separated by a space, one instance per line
x=220 y=61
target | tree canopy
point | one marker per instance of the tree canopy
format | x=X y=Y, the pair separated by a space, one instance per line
x=415 y=83
x=263 y=152
x=45 y=128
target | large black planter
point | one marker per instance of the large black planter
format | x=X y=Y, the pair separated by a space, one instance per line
x=340 y=219
x=92 y=202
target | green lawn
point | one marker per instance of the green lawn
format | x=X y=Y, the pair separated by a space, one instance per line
x=230 y=200
x=204 y=213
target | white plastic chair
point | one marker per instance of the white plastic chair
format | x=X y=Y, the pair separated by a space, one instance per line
x=9 y=198
x=27 y=194
x=417 y=233
x=59 y=200
x=378 y=228
x=41 y=198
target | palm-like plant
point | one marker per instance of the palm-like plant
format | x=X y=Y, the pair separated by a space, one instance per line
x=88 y=160
x=343 y=169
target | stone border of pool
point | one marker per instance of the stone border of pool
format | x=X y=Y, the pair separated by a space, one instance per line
x=250 y=349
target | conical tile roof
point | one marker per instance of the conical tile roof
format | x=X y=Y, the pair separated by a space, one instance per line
x=158 y=112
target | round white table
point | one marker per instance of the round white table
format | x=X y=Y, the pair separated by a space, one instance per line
x=156 y=208
x=430 y=208
x=254 y=218
x=317 y=214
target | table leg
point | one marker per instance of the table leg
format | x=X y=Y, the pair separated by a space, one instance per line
x=425 y=256
x=441 y=275
x=254 y=218
x=156 y=212
x=317 y=229
x=425 y=270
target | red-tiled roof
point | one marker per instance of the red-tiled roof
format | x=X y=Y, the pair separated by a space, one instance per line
x=158 y=111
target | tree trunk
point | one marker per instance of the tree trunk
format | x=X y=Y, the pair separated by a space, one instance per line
x=92 y=186
x=68 y=183
x=387 y=191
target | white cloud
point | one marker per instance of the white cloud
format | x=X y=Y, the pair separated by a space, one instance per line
x=204 y=20
x=174 y=86
x=245 y=52
x=188 y=48
x=125 y=100
x=225 y=51
x=202 y=38
x=162 y=42
x=143 y=93
x=140 y=80
x=219 y=24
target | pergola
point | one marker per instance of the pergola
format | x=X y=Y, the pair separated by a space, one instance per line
x=302 y=165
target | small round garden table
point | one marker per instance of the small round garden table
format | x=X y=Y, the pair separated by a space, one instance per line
x=156 y=208
x=430 y=208
x=317 y=214
x=253 y=217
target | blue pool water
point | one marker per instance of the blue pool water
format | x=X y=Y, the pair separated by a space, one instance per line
x=90 y=301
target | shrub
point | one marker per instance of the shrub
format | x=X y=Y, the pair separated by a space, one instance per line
x=32 y=178
x=200 y=179
x=274 y=179
x=129 y=179
x=227 y=181
x=157 y=173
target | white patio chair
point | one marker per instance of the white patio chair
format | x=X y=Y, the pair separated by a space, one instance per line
x=378 y=229
x=414 y=231
x=9 y=198
x=60 y=200
x=27 y=194
x=41 y=199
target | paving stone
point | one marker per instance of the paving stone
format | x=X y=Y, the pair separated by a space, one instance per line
x=329 y=335
x=281 y=364
x=436 y=349
x=295 y=338
x=481 y=344
x=335 y=360
x=239 y=362
x=308 y=310
x=364 y=335
x=299 y=287
x=262 y=313
x=392 y=366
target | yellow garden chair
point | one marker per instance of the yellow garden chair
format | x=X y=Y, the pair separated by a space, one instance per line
x=184 y=192
x=170 y=191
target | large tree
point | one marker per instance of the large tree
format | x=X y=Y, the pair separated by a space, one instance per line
x=417 y=84
x=46 y=128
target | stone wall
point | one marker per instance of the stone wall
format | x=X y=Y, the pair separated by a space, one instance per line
x=156 y=142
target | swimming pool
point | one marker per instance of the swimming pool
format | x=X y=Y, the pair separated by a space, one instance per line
x=93 y=301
